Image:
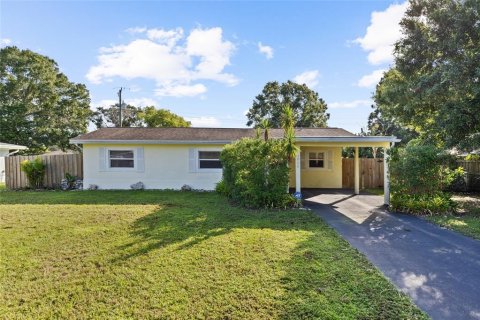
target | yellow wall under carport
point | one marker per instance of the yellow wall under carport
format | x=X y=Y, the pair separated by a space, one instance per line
x=324 y=178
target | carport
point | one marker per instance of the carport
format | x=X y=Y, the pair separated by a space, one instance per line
x=318 y=165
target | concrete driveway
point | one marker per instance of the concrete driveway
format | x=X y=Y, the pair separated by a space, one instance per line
x=438 y=268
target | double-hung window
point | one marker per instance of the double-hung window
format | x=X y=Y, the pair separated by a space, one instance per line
x=209 y=160
x=121 y=159
x=316 y=159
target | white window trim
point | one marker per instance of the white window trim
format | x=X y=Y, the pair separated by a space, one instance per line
x=325 y=160
x=107 y=159
x=197 y=155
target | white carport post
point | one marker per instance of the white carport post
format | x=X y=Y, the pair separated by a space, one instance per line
x=356 y=164
x=297 y=172
x=386 y=178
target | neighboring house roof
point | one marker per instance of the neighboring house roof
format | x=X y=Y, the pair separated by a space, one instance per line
x=211 y=135
x=10 y=146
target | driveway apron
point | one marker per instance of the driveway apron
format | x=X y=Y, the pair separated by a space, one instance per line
x=438 y=268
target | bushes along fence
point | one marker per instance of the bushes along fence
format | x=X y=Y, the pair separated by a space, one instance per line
x=56 y=168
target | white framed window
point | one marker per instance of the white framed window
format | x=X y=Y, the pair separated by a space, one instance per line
x=316 y=160
x=121 y=159
x=209 y=160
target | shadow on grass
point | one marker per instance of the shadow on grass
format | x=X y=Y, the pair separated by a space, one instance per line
x=114 y=197
x=199 y=218
x=325 y=278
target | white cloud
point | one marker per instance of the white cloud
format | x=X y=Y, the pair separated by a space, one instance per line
x=203 y=121
x=349 y=104
x=168 y=37
x=141 y=102
x=310 y=78
x=5 y=42
x=136 y=30
x=171 y=60
x=371 y=80
x=181 y=90
x=383 y=31
x=137 y=102
x=214 y=54
x=266 y=50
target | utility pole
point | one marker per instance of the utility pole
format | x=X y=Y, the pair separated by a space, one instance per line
x=120 y=104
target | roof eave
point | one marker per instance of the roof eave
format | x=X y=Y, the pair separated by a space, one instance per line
x=349 y=139
x=221 y=142
x=107 y=141
x=13 y=147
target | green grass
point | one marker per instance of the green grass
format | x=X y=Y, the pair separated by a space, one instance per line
x=174 y=255
x=375 y=191
x=466 y=220
x=2 y=186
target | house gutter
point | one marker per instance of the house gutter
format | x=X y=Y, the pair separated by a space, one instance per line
x=391 y=139
x=100 y=141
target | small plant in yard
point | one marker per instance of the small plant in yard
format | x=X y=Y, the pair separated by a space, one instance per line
x=423 y=203
x=35 y=172
x=70 y=180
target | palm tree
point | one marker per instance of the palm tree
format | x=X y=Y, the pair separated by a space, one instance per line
x=291 y=148
x=265 y=125
x=287 y=119
x=288 y=122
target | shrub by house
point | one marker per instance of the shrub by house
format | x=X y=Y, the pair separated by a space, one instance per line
x=255 y=173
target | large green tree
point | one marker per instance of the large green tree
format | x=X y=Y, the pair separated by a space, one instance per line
x=137 y=117
x=156 y=118
x=381 y=125
x=309 y=110
x=39 y=106
x=434 y=86
x=110 y=116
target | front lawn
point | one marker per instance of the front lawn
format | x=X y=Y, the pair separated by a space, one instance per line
x=174 y=255
x=466 y=220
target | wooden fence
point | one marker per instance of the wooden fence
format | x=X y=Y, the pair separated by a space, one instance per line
x=371 y=173
x=56 y=168
x=472 y=168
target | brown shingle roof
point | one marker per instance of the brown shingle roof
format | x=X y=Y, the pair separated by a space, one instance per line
x=198 y=134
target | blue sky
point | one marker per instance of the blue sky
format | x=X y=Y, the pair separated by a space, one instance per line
x=207 y=61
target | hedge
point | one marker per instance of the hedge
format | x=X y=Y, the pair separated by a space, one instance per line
x=256 y=173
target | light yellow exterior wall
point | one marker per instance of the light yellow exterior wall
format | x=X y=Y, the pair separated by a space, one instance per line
x=169 y=167
x=165 y=167
x=316 y=177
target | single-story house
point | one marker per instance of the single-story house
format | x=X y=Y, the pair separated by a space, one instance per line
x=7 y=149
x=168 y=158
